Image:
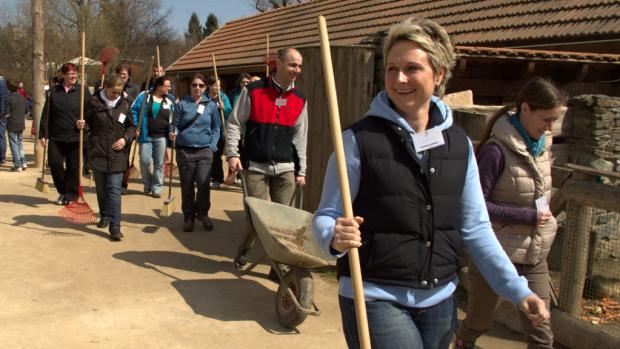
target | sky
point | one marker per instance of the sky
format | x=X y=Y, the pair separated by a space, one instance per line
x=225 y=10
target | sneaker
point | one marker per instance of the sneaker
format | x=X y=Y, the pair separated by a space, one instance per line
x=157 y=195
x=16 y=169
x=216 y=185
x=24 y=166
x=460 y=344
x=123 y=191
x=147 y=191
x=60 y=200
x=206 y=222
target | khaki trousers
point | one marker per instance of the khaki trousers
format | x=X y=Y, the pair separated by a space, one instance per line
x=482 y=302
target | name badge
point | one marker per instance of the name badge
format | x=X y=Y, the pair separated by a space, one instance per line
x=201 y=108
x=280 y=102
x=542 y=205
x=428 y=139
x=167 y=106
x=121 y=118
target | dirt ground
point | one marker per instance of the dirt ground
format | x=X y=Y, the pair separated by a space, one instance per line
x=68 y=286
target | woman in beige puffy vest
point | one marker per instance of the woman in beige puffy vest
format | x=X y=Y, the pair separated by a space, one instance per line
x=515 y=174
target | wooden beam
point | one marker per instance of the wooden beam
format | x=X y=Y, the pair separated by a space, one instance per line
x=592 y=194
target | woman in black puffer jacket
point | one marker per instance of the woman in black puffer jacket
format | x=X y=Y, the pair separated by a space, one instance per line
x=112 y=130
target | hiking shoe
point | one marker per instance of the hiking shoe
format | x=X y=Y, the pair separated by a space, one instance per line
x=24 y=166
x=189 y=224
x=16 y=169
x=103 y=223
x=216 y=185
x=60 y=200
x=157 y=195
x=115 y=234
x=206 y=222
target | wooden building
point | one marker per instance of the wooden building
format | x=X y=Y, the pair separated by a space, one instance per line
x=499 y=44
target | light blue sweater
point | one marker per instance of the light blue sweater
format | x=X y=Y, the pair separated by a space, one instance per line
x=474 y=224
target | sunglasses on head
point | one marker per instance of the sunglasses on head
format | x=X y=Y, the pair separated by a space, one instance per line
x=198 y=85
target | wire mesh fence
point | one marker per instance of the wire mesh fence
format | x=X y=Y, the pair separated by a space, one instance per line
x=600 y=254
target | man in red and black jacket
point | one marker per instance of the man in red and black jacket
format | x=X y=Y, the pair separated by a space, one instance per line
x=275 y=117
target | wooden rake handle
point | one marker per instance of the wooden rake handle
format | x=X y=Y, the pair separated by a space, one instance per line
x=353 y=254
x=219 y=97
x=82 y=87
x=147 y=82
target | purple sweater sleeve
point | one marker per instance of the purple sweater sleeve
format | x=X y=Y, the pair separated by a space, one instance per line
x=491 y=166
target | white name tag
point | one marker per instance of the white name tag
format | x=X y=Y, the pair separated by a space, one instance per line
x=121 y=118
x=201 y=108
x=542 y=205
x=428 y=139
x=167 y=106
x=280 y=102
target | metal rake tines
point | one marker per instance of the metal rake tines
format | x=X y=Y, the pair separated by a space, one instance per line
x=77 y=212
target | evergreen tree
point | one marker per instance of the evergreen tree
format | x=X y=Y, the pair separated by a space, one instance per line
x=211 y=24
x=195 y=31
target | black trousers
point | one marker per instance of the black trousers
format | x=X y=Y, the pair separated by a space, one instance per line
x=63 y=160
x=195 y=175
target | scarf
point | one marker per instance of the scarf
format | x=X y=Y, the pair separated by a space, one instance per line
x=534 y=146
x=110 y=104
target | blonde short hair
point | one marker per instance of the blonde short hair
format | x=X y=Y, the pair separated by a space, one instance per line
x=432 y=38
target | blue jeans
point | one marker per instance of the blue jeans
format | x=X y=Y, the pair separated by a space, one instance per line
x=153 y=151
x=108 y=185
x=17 y=149
x=394 y=326
x=2 y=139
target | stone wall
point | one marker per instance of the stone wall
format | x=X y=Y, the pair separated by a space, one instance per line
x=595 y=131
x=595 y=142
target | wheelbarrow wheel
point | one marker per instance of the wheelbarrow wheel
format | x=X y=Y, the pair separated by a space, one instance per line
x=302 y=285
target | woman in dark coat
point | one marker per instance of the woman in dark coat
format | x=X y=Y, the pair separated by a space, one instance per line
x=58 y=131
x=112 y=130
x=16 y=107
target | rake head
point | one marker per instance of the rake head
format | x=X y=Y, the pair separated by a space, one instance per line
x=42 y=186
x=77 y=212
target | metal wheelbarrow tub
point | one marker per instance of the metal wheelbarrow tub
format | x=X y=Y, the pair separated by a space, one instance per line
x=286 y=234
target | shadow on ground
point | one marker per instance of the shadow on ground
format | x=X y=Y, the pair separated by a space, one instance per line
x=220 y=299
x=56 y=224
x=30 y=201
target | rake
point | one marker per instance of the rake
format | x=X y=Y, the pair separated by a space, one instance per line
x=132 y=170
x=41 y=185
x=78 y=211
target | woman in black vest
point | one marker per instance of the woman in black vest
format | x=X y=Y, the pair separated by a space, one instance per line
x=415 y=191
x=112 y=130
x=155 y=126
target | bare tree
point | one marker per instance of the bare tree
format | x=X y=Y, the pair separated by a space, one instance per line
x=38 y=71
x=268 y=5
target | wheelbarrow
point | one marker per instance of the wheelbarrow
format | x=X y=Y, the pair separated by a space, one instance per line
x=285 y=234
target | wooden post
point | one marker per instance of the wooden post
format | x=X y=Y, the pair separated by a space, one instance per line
x=575 y=254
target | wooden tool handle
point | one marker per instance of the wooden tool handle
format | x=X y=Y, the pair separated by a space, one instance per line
x=82 y=87
x=354 y=262
x=147 y=82
x=219 y=96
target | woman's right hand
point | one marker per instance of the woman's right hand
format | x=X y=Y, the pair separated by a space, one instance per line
x=43 y=142
x=542 y=218
x=172 y=136
x=347 y=234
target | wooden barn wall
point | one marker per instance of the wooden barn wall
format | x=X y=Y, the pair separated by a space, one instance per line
x=354 y=74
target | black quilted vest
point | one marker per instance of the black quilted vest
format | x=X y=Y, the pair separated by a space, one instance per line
x=410 y=232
